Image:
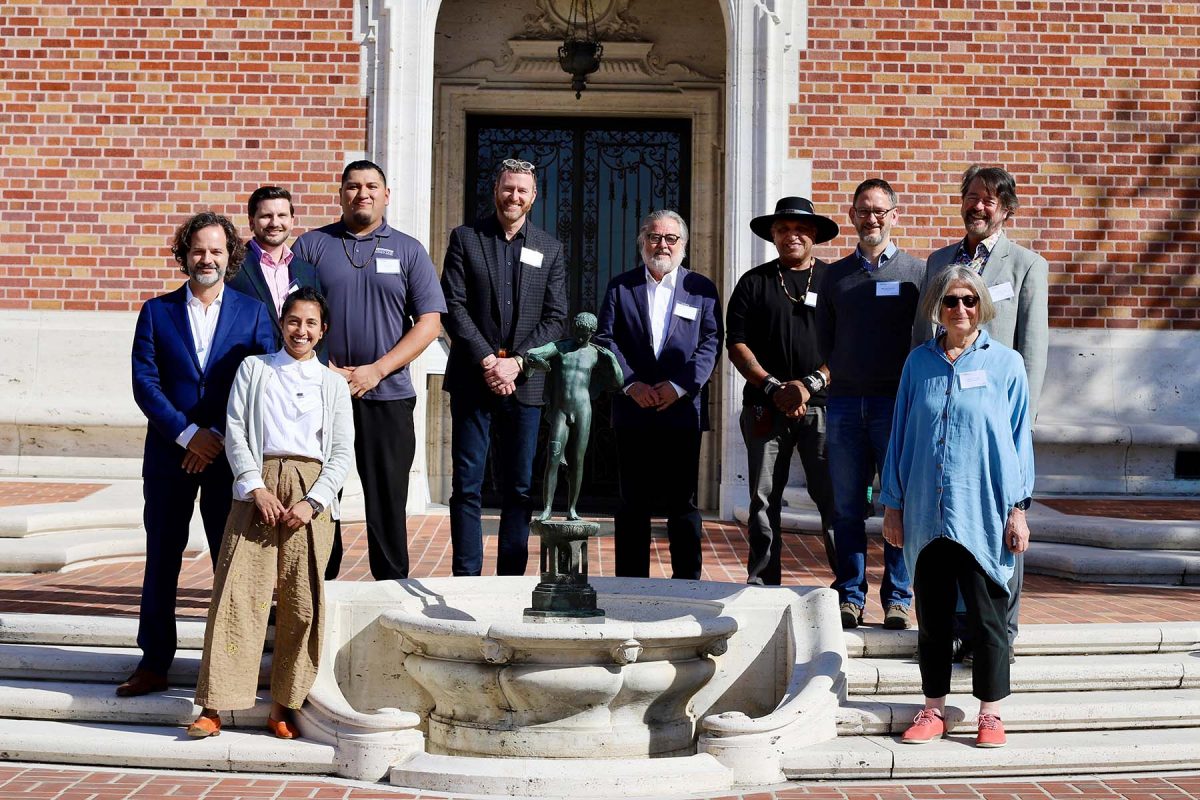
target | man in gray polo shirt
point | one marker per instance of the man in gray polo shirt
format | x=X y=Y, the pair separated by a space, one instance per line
x=385 y=307
x=865 y=310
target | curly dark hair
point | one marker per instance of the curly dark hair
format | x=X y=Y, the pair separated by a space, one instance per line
x=181 y=242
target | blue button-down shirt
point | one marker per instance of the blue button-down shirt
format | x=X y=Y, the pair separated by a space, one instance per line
x=960 y=458
x=887 y=255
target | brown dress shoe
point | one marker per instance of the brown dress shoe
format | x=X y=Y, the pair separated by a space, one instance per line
x=141 y=682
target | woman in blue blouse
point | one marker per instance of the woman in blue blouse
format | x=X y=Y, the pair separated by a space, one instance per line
x=956 y=484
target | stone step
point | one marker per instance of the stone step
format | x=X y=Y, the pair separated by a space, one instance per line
x=1033 y=753
x=869 y=676
x=1033 y=711
x=52 y=552
x=1045 y=639
x=116 y=505
x=96 y=702
x=159 y=747
x=1113 y=533
x=1103 y=565
x=84 y=631
x=105 y=665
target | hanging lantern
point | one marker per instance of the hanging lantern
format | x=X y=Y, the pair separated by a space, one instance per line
x=580 y=54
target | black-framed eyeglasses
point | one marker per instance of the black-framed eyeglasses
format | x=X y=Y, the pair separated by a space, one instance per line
x=670 y=238
x=968 y=300
x=516 y=165
x=877 y=213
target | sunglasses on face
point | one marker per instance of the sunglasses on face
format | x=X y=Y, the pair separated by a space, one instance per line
x=952 y=300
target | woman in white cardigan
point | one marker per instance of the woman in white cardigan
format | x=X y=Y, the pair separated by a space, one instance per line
x=290 y=441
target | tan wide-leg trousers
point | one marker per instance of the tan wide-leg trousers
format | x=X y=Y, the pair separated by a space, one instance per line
x=254 y=559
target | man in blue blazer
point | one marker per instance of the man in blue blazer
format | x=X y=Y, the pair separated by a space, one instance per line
x=186 y=349
x=663 y=323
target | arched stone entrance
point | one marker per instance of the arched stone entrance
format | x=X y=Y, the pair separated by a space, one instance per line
x=739 y=119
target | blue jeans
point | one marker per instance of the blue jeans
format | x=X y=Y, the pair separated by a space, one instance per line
x=517 y=430
x=858 y=431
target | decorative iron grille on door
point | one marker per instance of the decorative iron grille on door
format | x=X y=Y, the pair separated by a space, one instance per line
x=596 y=178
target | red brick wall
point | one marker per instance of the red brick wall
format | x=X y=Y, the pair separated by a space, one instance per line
x=1091 y=105
x=119 y=118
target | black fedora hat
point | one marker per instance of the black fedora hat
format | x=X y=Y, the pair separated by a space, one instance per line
x=795 y=208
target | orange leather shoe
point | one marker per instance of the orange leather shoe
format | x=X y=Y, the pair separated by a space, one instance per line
x=204 y=727
x=281 y=728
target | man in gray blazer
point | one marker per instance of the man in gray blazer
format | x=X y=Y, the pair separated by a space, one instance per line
x=1018 y=281
x=505 y=281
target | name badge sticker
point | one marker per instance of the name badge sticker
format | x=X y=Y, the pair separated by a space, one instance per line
x=387 y=266
x=887 y=289
x=1001 y=291
x=293 y=287
x=973 y=379
x=686 y=311
x=810 y=299
x=531 y=257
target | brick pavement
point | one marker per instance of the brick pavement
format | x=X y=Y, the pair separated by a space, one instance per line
x=54 y=783
x=1127 y=509
x=24 y=493
x=115 y=588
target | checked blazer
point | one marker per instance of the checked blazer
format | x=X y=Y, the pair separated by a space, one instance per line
x=471 y=282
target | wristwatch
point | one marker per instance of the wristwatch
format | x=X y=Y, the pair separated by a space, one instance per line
x=1024 y=504
x=316 y=507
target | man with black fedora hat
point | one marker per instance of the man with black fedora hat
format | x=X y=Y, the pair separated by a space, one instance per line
x=868 y=303
x=772 y=340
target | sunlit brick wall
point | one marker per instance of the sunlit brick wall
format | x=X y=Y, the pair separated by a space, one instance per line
x=119 y=118
x=1092 y=105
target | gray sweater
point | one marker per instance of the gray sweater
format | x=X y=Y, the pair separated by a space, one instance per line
x=864 y=323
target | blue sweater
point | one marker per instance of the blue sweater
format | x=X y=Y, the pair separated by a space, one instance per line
x=961 y=451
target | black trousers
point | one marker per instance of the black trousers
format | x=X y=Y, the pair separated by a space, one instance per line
x=658 y=475
x=944 y=569
x=384 y=447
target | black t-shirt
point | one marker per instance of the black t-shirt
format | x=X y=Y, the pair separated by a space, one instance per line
x=780 y=331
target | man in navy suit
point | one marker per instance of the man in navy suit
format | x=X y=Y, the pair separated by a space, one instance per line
x=505 y=281
x=186 y=349
x=663 y=323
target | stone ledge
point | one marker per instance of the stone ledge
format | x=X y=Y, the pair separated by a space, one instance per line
x=1101 y=565
x=98 y=664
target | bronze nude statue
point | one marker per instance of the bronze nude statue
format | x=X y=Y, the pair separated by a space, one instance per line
x=579 y=371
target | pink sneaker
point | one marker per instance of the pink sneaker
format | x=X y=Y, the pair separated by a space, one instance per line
x=991 y=732
x=927 y=726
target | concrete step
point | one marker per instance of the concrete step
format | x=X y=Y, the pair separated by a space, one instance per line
x=51 y=552
x=86 y=631
x=1033 y=711
x=869 y=676
x=1046 y=639
x=1113 y=533
x=1034 y=753
x=160 y=747
x=106 y=665
x=96 y=702
x=1103 y=565
x=117 y=505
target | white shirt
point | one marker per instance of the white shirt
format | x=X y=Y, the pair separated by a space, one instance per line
x=660 y=299
x=293 y=409
x=203 y=322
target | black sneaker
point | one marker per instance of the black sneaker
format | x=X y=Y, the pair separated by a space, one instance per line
x=852 y=616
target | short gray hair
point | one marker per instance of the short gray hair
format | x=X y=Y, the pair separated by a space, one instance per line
x=653 y=217
x=931 y=307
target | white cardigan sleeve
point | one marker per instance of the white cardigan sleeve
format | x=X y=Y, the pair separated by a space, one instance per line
x=340 y=436
x=243 y=436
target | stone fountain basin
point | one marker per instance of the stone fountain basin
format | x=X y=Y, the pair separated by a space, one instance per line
x=750 y=674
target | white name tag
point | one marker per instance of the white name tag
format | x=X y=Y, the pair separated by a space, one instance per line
x=686 y=311
x=293 y=287
x=1001 y=291
x=531 y=257
x=387 y=266
x=973 y=379
x=887 y=289
x=810 y=299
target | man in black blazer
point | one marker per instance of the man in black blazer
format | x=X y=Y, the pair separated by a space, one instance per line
x=271 y=270
x=270 y=273
x=505 y=282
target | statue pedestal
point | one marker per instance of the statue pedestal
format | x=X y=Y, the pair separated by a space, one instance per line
x=564 y=593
